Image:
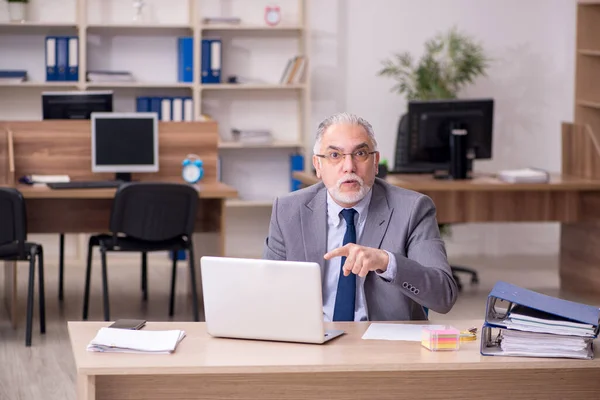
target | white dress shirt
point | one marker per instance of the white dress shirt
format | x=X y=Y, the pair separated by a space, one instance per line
x=336 y=229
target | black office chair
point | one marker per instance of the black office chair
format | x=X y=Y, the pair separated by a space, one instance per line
x=459 y=269
x=14 y=247
x=456 y=269
x=147 y=217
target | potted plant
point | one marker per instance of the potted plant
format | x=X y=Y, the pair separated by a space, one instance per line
x=451 y=61
x=17 y=10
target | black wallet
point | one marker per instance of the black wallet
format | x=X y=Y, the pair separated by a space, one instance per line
x=134 y=324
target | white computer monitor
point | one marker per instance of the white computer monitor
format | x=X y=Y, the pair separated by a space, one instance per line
x=124 y=143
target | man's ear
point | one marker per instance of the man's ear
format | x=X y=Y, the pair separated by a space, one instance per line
x=317 y=164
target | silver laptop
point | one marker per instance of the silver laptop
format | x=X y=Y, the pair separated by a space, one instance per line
x=264 y=300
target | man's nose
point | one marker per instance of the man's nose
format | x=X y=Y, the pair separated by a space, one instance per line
x=348 y=164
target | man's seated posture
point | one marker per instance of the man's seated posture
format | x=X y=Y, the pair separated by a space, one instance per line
x=379 y=246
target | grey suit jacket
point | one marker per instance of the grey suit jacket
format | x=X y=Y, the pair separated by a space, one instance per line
x=400 y=221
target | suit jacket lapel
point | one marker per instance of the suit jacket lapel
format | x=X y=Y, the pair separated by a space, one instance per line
x=378 y=219
x=313 y=222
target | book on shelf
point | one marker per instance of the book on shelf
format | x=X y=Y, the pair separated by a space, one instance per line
x=294 y=70
x=221 y=20
x=109 y=76
x=252 y=135
x=12 y=76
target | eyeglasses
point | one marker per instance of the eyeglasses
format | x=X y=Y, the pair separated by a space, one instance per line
x=334 y=157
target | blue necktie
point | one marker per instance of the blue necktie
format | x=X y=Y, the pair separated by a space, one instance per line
x=346 y=290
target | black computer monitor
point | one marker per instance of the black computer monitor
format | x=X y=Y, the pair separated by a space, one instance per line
x=124 y=143
x=75 y=104
x=444 y=135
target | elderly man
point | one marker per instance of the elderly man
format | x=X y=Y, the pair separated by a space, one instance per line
x=378 y=245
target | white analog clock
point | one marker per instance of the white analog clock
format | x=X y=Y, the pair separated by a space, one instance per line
x=272 y=15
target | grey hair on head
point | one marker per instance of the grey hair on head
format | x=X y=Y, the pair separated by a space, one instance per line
x=343 y=118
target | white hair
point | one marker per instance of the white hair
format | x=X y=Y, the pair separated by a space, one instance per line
x=343 y=118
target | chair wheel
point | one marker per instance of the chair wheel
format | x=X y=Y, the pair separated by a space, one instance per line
x=474 y=280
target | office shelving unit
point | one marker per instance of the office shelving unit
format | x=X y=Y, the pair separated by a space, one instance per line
x=587 y=70
x=87 y=23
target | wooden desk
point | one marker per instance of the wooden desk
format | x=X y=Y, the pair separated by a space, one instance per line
x=345 y=368
x=487 y=199
x=57 y=147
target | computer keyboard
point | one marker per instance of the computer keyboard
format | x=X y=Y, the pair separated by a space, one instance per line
x=85 y=185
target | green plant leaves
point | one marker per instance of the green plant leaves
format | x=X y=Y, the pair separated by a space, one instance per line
x=451 y=61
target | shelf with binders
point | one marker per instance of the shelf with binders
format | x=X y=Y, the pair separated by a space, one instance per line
x=252 y=86
x=248 y=28
x=139 y=29
x=38 y=28
x=140 y=85
x=40 y=85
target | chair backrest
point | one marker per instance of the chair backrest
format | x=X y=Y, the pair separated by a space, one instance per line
x=154 y=211
x=13 y=218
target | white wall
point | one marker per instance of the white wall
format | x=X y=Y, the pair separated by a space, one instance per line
x=531 y=79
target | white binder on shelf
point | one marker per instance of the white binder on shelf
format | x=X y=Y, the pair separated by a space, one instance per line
x=73 y=62
x=51 y=59
x=165 y=109
x=188 y=109
x=177 y=105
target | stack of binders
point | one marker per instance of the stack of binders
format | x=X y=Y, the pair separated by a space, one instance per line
x=521 y=322
x=62 y=58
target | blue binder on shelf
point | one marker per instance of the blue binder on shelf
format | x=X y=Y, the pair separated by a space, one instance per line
x=73 y=58
x=62 y=57
x=296 y=164
x=142 y=104
x=211 y=60
x=185 y=60
x=51 y=72
x=510 y=307
x=155 y=106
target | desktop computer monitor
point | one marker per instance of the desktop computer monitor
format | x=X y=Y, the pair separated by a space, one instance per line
x=124 y=143
x=75 y=104
x=442 y=135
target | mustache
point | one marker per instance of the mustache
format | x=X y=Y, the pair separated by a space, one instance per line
x=350 y=177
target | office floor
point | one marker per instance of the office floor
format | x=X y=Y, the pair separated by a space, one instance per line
x=46 y=370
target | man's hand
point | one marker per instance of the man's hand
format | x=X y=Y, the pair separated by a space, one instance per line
x=360 y=259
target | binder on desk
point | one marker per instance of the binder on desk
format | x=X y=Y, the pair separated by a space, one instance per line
x=522 y=322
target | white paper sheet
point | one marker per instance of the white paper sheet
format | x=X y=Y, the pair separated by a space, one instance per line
x=112 y=340
x=407 y=332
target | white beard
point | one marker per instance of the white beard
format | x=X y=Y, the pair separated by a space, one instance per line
x=349 y=197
